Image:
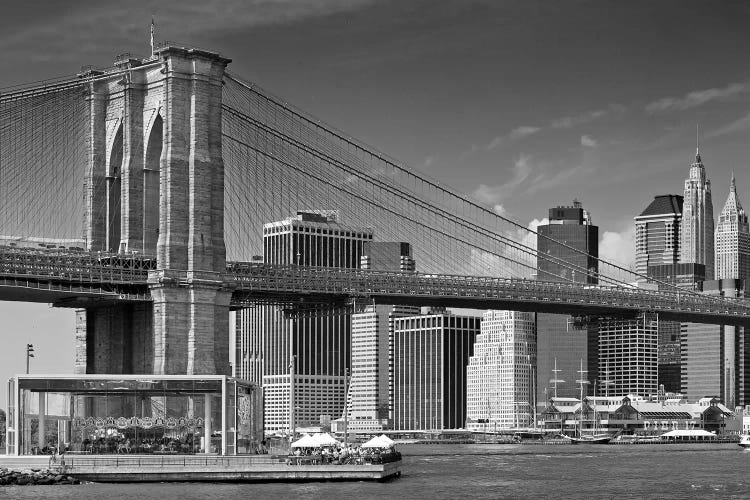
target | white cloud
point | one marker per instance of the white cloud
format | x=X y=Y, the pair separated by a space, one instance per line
x=495 y=194
x=530 y=177
x=552 y=178
x=523 y=131
x=740 y=125
x=501 y=211
x=528 y=238
x=587 y=141
x=514 y=135
x=580 y=119
x=507 y=261
x=697 y=98
x=618 y=247
x=562 y=122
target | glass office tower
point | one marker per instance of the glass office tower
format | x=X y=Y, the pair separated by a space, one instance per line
x=567 y=250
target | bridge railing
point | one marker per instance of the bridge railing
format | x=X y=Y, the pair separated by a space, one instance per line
x=66 y=266
x=74 y=265
x=352 y=282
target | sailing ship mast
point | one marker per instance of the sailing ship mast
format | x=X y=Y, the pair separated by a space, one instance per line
x=555 y=379
x=581 y=381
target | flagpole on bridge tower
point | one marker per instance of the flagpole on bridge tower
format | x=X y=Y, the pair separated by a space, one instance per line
x=153 y=26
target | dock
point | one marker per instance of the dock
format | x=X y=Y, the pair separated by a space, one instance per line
x=192 y=468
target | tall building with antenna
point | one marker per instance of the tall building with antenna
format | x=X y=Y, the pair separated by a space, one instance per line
x=697 y=239
x=732 y=239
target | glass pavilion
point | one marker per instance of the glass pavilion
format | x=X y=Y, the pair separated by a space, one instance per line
x=151 y=414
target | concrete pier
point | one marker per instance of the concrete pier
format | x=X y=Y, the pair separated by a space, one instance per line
x=209 y=468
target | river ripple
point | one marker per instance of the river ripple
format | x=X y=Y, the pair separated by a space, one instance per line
x=484 y=471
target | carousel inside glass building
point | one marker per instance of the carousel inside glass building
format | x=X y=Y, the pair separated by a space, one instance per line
x=128 y=414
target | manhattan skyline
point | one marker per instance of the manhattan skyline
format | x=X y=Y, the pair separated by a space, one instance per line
x=520 y=105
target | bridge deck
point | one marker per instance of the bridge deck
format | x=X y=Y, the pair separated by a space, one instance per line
x=69 y=277
x=258 y=281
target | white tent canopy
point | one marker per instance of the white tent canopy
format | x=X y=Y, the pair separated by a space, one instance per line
x=325 y=439
x=306 y=441
x=689 y=433
x=386 y=439
x=378 y=442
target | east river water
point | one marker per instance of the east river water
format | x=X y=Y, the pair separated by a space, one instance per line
x=484 y=471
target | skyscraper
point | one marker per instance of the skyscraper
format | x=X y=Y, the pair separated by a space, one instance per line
x=318 y=338
x=716 y=358
x=568 y=246
x=628 y=355
x=370 y=403
x=687 y=276
x=732 y=239
x=430 y=354
x=500 y=385
x=574 y=259
x=657 y=252
x=388 y=256
x=697 y=240
x=371 y=389
x=657 y=233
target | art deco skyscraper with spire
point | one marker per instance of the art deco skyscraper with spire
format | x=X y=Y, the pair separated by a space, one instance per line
x=732 y=239
x=697 y=240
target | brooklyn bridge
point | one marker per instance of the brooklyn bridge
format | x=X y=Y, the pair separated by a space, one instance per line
x=137 y=194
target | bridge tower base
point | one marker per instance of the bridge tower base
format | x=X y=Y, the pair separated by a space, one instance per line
x=114 y=339
x=191 y=324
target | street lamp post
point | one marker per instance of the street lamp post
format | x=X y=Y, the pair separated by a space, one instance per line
x=292 y=408
x=29 y=354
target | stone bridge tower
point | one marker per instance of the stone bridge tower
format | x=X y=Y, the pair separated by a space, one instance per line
x=155 y=187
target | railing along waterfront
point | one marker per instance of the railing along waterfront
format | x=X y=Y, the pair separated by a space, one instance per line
x=72 y=462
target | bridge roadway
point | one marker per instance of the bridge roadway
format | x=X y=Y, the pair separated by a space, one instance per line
x=78 y=279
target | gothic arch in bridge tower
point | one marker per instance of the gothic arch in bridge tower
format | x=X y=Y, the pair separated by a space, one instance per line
x=152 y=185
x=114 y=193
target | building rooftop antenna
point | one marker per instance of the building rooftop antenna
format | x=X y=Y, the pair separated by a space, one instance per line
x=697 y=149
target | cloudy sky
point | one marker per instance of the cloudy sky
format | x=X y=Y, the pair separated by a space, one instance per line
x=523 y=105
